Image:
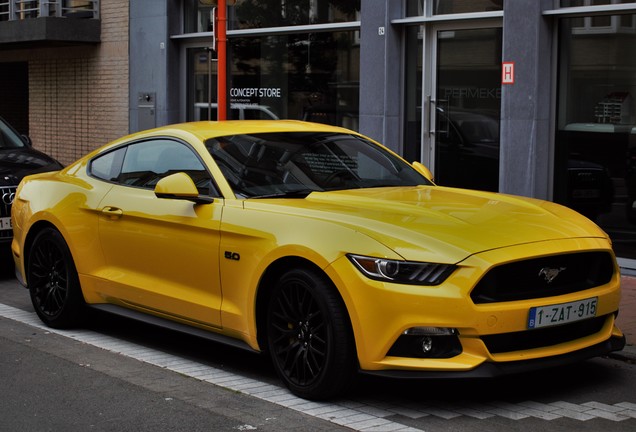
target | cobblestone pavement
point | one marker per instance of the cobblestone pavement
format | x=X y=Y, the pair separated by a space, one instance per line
x=627 y=316
x=376 y=413
x=361 y=414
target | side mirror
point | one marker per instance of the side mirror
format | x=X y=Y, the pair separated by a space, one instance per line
x=180 y=186
x=422 y=169
x=27 y=140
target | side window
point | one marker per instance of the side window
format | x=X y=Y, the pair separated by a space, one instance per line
x=107 y=166
x=144 y=163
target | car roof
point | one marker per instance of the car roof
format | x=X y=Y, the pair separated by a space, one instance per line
x=205 y=130
x=234 y=127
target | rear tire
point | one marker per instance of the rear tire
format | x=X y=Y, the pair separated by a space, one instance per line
x=309 y=335
x=53 y=282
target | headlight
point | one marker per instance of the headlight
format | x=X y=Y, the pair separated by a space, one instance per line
x=404 y=272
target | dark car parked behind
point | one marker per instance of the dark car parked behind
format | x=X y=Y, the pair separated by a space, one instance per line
x=17 y=159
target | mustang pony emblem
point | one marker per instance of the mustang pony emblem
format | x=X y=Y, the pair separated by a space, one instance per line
x=549 y=273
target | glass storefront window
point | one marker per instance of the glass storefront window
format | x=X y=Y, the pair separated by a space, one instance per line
x=198 y=15
x=595 y=145
x=413 y=95
x=249 y=14
x=579 y=3
x=414 y=8
x=202 y=82
x=465 y=105
x=305 y=76
x=468 y=108
x=443 y=7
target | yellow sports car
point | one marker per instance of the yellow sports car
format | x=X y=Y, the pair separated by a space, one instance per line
x=319 y=246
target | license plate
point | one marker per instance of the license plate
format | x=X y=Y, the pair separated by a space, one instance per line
x=546 y=316
x=5 y=223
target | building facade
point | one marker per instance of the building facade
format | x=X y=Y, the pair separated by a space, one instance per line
x=531 y=97
x=67 y=71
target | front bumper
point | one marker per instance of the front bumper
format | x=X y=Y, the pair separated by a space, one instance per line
x=493 y=369
x=381 y=312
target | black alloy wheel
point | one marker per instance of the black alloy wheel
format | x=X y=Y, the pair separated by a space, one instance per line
x=309 y=335
x=53 y=282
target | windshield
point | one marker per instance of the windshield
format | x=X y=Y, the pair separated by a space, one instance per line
x=9 y=138
x=294 y=164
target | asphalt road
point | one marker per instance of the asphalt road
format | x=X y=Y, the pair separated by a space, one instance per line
x=122 y=375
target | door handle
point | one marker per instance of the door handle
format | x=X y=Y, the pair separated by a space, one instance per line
x=438 y=121
x=430 y=106
x=113 y=213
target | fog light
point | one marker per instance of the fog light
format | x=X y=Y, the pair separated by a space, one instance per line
x=427 y=344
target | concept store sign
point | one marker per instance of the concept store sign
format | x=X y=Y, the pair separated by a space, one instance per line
x=245 y=94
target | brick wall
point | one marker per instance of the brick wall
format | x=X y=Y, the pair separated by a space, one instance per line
x=78 y=96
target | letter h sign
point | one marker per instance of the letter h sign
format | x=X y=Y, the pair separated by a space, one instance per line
x=508 y=73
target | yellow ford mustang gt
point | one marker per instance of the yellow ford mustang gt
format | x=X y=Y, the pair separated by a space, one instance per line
x=319 y=246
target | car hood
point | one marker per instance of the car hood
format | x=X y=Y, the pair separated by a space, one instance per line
x=446 y=224
x=15 y=163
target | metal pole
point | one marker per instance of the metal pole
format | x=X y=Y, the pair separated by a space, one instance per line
x=221 y=40
x=209 y=83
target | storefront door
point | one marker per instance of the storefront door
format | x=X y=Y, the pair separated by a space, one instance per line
x=464 y=106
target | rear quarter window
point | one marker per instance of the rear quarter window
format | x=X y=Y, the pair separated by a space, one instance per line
x=108 y=166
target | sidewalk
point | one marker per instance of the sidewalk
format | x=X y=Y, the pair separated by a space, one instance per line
x=627 y=317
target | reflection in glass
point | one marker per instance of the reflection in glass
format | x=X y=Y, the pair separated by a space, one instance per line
x=202 y=84
x=198 y=16
x=308 y=76
x=595 y=146
x=249 y=14
x=414 y=8
x=294 y=164
x=442 y=7
x=281 y=13
x=467 y=108
x=579 y=3
x=413 y=94
x=304 y=76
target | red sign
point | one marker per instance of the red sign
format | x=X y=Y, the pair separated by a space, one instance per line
x=508 y=73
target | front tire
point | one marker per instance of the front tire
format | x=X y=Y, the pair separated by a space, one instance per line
x=53 y=282
x=309 y=335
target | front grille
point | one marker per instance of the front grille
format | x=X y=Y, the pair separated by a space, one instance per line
x=544 y=277
x=545 y=337
x=6 y=193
